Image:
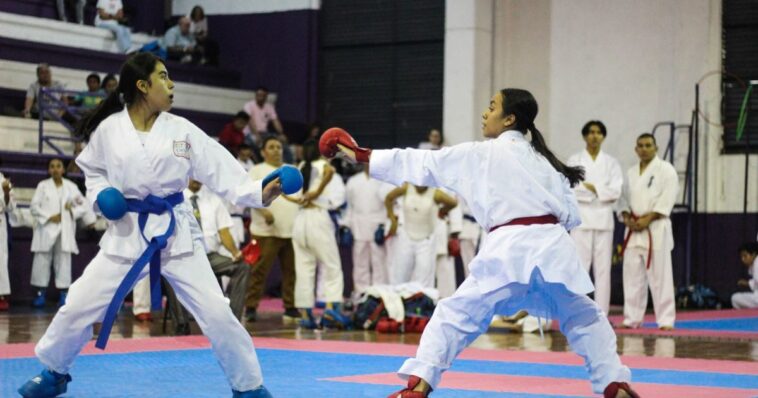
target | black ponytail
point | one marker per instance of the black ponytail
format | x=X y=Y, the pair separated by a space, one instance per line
x=310 y=153
x=522 y=104
x=137 y=67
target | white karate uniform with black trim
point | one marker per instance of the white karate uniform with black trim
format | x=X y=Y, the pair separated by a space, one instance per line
x=654 y=190
x=53 y=243
x=594 y=237
x=748 y=299
x=5 y=283
x=314 y=241
x=173 y=152
x=533 y=267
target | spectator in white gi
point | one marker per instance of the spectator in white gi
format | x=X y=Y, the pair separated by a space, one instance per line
x=597 y=196
x=365 y=212
x=56 y=205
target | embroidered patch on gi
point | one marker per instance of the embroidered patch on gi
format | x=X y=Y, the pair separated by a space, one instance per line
x=182 y=149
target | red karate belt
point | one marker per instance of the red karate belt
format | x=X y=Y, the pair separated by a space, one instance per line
x=546 y=219
x=649 y=241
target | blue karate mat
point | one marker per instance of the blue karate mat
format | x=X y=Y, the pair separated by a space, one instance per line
x=294 y=374
x=723 y=325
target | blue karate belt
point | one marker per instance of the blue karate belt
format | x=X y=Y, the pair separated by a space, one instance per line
x=150 y=205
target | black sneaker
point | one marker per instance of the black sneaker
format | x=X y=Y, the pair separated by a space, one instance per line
x=291 y=314
x=251 y=315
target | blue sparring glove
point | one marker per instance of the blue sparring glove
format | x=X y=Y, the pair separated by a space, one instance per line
x=289 y=177
x=111 y=203
x=345 y=237
x=379 y=235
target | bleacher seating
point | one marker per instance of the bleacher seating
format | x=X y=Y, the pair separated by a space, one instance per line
x=206 y=95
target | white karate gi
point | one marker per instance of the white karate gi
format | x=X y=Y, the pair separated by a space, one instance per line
x=533 y=267
x=365 y=212
x=335 y=195
x=54 y=242
x=414 y=248
x=314 y=241
x=594 y=237
x=5 y=283
x=655 y=190
x=748 y=299
x=173 y=152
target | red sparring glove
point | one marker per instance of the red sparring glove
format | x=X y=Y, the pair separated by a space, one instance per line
x=454 y=247
x=251 y=252
x=336 y=141
x=408 y=392
x=612 y=390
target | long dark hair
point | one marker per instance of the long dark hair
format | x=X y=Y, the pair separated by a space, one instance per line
x=137 y=67
x=521 y=103
x=310 y=153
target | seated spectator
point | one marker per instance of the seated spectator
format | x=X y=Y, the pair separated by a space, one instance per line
x=749 y=258
x=434 y=140
x=110 y=15
x=79 y=4
x=110 y=83
x=232 y=136
x=223 y=255
x=94 y=93
x=31 y=104
x=180 y=44
x=199 y=28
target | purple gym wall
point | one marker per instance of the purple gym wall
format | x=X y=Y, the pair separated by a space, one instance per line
x=277 y=50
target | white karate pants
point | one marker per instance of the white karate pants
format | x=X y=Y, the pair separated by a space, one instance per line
x=460 y=319
x=637 y=278
x=197 y=290
x=414 y=260
x=61 y=262
x=314 y=243
x=369 y=265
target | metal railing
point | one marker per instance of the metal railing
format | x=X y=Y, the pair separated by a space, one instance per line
x=54 y=105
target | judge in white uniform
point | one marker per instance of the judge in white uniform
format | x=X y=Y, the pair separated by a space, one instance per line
x=414 y=251
x=597 y=196
x=522 y=195
x=6 y=206
x=56 y=205
x=149 y=155
x=365 y=212
x=749 y=258
x=649 y=197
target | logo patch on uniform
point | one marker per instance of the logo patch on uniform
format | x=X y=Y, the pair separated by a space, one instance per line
x=182 y=149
